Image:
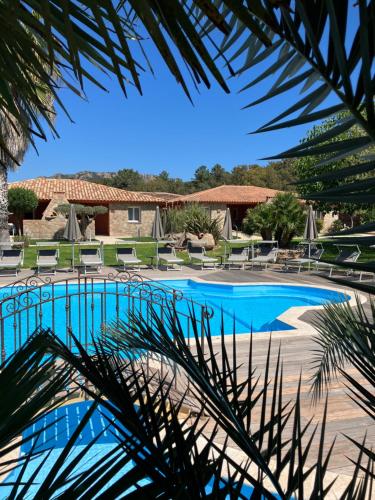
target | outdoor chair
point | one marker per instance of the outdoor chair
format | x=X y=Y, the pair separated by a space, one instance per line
x=11 y=259
x=267 y=255
x=238 y=257
x=347 y=254
x=309 y=256
x=128 y=257
x=198 y=255
x=47 y=259
x=90 y=258
x=168 y=256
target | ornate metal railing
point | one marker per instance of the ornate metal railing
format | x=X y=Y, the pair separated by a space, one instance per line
x=86 y=306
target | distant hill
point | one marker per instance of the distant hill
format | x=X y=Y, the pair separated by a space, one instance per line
x=86 y=175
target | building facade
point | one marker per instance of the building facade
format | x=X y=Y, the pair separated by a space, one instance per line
x=129 y=214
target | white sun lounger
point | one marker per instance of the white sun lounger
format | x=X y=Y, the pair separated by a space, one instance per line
x=47 y=259
x=309 y=257
x=90 y=258
x=267 y=255
x=11 y=259
x=168 y=256
x=128 y=257
x=198 y=255
x=347 y=254
x=238 y=258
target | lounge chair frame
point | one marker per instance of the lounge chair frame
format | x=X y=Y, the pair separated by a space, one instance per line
x=162 y=254
x=43 y=247
x=238 y=258
x=202 y=257
x=351 y=257
x=306 y=260
x=14 y=265
x=134 y=262
x=267 y=258
x=87 y=263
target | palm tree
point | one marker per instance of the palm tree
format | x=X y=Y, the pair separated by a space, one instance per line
x=16 y=143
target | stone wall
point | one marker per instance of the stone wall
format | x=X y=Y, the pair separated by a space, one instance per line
x=119 y=224
x=48 y=229
x=218 y=210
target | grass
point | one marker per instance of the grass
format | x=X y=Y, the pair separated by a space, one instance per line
x=145 y=250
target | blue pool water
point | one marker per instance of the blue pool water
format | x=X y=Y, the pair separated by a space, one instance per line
x=53 y=432
x=87 y=311
x=253 y=308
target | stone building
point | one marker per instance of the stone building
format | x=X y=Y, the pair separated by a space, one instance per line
x=237 y=198
x=130 y=213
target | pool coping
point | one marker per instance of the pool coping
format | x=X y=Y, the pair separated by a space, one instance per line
x=291 y=316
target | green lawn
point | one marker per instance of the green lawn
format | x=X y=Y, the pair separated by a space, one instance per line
x=146 y=250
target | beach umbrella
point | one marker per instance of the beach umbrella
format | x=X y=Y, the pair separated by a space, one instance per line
x=72 y=231
x=227 y=227
x=311 y=232
x=157 y=227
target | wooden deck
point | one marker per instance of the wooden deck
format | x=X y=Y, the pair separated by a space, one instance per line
x=344 y=416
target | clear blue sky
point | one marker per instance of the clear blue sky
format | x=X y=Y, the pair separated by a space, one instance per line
x=160 y=130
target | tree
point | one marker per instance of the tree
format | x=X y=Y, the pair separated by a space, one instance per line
x=21 y=201
x=85 y=214
x=281 y=219
x=260 y=220
x=289 y=218
x=127 y=178
x=305 y=170
x=219 y=175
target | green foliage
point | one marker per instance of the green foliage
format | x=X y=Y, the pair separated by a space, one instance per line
x=85 y=213
x=20 y=202
x=192 y=218
x=175 y=220
x=281 y=219
x=274 y=175
x=260 y=219
x=305 y=168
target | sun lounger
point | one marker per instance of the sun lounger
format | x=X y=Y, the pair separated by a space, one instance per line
x=238 y=258
x=198 y=255
x=11 y=259
x=168 y=256
x=47 y=259
x=347 y=254
x=267 y=255
x=128 y=257
x=310 y=256
x=90 y=258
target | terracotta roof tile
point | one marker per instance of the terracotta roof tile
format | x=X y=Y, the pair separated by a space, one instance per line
x=77 y=190
x=230 y=194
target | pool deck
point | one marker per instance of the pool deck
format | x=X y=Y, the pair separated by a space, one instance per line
x=344 y=416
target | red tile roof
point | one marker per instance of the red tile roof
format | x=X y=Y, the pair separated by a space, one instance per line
x=77 y=190
x=230 y=194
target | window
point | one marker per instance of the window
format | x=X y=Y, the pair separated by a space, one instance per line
x=134 y=214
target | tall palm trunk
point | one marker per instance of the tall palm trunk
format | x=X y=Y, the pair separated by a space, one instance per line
x=4 y=230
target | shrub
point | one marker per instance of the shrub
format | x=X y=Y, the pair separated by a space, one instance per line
x=174 y=220
x=336 y=226
x=259 y=220
x=281 y=219
x=198 y=221
x=20 y=202
x=193 y=219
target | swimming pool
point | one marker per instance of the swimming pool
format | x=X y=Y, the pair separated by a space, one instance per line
x=88 y=307
x=51 y=433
